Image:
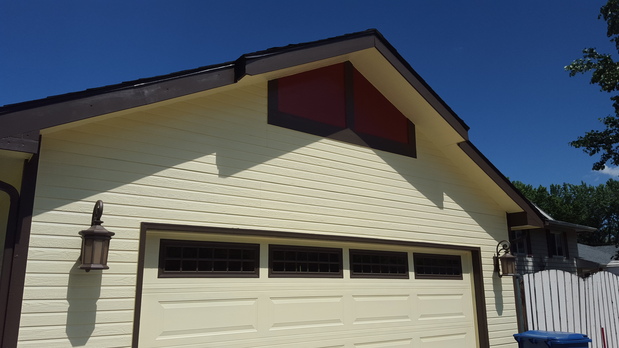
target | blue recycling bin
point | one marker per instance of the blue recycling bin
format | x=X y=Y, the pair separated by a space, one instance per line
x=551 y=339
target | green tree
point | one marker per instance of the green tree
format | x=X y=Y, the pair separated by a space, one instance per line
x=605 y=73
x=595 y=206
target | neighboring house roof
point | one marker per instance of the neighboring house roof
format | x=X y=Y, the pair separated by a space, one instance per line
x=21 y=123
x=551 y=223
x=601 y=255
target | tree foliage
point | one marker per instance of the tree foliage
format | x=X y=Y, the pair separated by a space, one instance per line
x=604 y=73
x=594 y=206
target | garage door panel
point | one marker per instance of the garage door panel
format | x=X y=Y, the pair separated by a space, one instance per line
x=209 y=316
x=342 y=312
x=381 y=309
x=443 y=306
x=187 y=316
x=400 y=343
x=305 y=312
x=446 y=339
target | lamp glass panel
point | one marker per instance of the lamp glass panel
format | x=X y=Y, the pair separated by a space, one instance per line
x=97 y=249
x=87 y=251
x=508 y=265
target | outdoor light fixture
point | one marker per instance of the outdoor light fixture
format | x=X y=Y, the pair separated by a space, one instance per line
x=95 y=242
x=504 y=261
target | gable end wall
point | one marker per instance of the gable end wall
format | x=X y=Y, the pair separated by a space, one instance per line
x=215 y=162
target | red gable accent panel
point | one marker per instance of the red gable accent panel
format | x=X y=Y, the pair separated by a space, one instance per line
x=318 y=95
x=375 y=115
x=339 y=103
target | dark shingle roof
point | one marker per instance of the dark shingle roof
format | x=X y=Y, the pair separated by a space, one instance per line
x=598 y=254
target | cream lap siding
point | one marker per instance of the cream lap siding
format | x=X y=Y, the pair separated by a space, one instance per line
x=214 y=161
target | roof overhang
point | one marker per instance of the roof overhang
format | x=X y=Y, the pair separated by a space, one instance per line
x=33 y=116
x=367 y=50
x=567 y=226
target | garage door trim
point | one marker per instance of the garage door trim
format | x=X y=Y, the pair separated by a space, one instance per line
x=480 y=301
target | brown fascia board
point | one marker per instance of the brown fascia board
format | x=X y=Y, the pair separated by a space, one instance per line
x=26 y=142
x=35 y=115
x=405 y=69
x=530 y=216
x=568 y=226
x=39 y=114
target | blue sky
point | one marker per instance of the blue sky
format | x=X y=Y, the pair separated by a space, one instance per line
x=498 y=64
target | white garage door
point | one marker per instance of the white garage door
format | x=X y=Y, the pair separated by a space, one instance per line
x=214 y=291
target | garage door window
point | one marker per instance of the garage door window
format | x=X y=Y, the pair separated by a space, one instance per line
x=207 y=259
x=378 y=264
x=297 y=261
x=437 y=266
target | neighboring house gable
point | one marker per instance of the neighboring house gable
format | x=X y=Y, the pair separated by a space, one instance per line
x=375 y=224
x=552 y=247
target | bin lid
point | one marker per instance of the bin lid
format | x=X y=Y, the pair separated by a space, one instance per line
x=553 y=336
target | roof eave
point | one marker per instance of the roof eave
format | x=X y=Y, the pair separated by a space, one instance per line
x=529 y=217
x=108 y=101
x=49 y=112
x=567 y=226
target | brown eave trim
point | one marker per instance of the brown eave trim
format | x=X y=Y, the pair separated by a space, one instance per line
x=86 y=104
x=533 y=216
x=567 y=226
x=306 y=54
x=479 y=292
x=37 y=118
x=27 y=142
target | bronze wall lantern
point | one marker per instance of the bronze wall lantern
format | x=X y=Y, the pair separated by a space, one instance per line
x=504 y=261
x=95 y=242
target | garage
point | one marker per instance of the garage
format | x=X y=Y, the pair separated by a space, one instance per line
x=242 y=289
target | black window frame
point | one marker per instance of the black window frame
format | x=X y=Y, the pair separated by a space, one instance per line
x=277 y=248
x=438 y=257
x=557 y=244
x=520 y=241
x=381 y=255
x=163 y=258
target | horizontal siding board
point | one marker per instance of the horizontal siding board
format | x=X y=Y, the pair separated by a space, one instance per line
x=213 y=204
x=59 y=306
x=250 y=207
x=290 y=164
x=40 y=293
x=85 y=331
x=56 y=266
x=299 y=176
x=97 y=341
x=302 y=223
x=354 y=168
x=65 y=236
x=56 y=319
x=50 y=254
x=80 y=279
x=277 y=191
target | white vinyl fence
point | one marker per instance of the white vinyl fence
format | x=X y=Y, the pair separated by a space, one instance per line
x=561 y=301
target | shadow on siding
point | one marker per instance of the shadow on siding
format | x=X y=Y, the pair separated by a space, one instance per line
x=82 y=312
